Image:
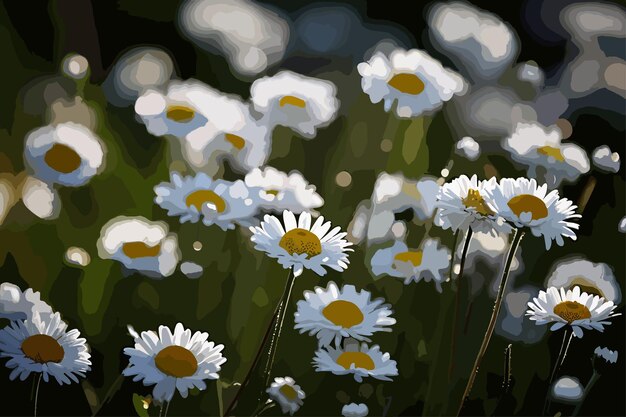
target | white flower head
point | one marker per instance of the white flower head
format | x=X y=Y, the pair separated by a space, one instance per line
x=173 y=361
x=40 y=198
x=468 y=148
x=16 y=304
x=571 y=308
x=535 y=146
x=141 y=245
x=430 y=263
x=333 y=314
x=416 y=81
x=360 y=361
x=354 y=410
x=592 y=278
x=278 y=191
x=178 y=111
x=567 y=390
x=8 y=198
x=300 y=245
x=605 y=160
x=287 y=394
x=67 y=154
x=521 y=202
x=218 y=202
x=609 y=356
x=42 y=344
x=464 y=202
x=295 y=101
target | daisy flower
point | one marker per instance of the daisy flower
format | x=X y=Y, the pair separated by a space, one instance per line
x=333 y=314
x=354 y=410
x=230 y=133
x=16 y=304
x=218 y=202
x=178 y=110
x=536 y=146
x=140 y=245
x=279 y=191
x=360 y=361
x=68 y=154
x=287 y=394
x=299 y=245
x=592 y=278
x=571 y=308
x=429 y=263
x=567 y=390
x=295 y=101
x=418 y=82
x=464 y=203
x=521 y=202
x=173 y=361
x=43 y=345
x=40 y=198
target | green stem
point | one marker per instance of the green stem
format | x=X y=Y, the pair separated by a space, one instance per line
x=557 y=365
x=590 y=384
x=517 y=237
x=37 y=394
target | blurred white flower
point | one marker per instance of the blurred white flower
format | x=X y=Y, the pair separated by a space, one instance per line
x=77 y=256
x=592 y=278
x=287 y=394
x=40 y=198
x=354 y=410
x=468 y=148
x=605 y=160
x=416 y=81
x=567 y=389
x=16 y=304
x=295 y=101
x=8 y=198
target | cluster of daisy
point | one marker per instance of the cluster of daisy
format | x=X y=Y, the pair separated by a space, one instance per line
x=37 y=341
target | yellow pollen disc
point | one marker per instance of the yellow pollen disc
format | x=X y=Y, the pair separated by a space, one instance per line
x=293 y=101
x=140 y=250
x=62 y=158
x=180 y=114
x=551 y=151
x=359 y=359
x=530 y=204
x=289 y=392
x=176 y=361
x=476 y=201
x=237 y=141
x=272 y=192
x=200 y=197
x=343 y=313
x=415 y=257
x=571 y=311
x=42 y=348
x=586 y=286
x=301 y=241
x=407 y=83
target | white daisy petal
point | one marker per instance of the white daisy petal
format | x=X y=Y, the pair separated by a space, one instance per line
x=360 y=363
x=287 y=394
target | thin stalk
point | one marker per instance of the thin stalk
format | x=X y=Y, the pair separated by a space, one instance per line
x=167 y=407
x=278 y=329
x=457 y=301
x=557 y=365
x=37 y=394
x=263 y=408
x=517 y=238
x=590 y=384
x=109 y=394
x=259 y=353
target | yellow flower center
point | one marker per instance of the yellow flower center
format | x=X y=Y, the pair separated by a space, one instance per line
x=571 y=311
x=237 y=141
x=301 y=241
x=551 y=151
x=293 y=101
x=289 y=392
x=272 y=192
x=140 y=250
x=62 y=158
x=407 y=83
x=527 y=203
x=180 y=114
x=586 y=286
x=343 y=313
x=176 y=361
x=42 y=348
x=359 y=359
x=200 y=197
x=415 y=257
x=477 y=202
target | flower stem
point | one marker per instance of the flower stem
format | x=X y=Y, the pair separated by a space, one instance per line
x=457 y=301
x=167 y=407
x=590 y=384
x=37 y=394
x=260 y=351
x=517 y=237
x=557 y=365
